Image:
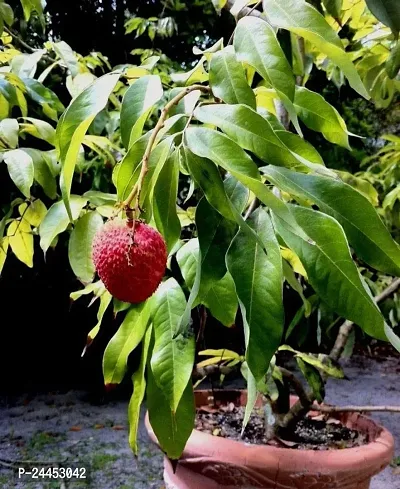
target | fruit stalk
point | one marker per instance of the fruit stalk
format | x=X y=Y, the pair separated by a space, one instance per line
x=136 y=190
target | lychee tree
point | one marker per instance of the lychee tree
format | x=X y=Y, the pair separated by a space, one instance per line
x=269 y=210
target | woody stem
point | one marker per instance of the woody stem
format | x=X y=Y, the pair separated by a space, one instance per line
x=136 y=190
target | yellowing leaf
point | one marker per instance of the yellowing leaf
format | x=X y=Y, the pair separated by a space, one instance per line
x=34 y=214
x=21 y=241
x=291 y=257
x=3 y=252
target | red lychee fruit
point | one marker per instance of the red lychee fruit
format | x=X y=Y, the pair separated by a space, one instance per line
x=130 y=263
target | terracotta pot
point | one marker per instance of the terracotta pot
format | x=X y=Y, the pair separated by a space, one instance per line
x=211 y=462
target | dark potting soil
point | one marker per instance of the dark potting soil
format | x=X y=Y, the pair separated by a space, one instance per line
x=309 y=433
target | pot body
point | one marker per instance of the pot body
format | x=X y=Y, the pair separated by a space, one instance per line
x=210 y=462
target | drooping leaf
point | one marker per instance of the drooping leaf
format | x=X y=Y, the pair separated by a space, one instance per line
x=6 y=14
x=30 y=6
x=42 y=171
x=222 y=301
x=364 y=228
x=20 y=238
x=313 y=378
x=187 y=258
x=388 y=12
x=256 y=44
x=80 y=245
x=73 y=125
x=3 y=252
x=302 y=19
x=331 y=270
x=258 y=278
x=126 y=172
x=125 y=340
x=20 y=168
x=173 y=354
x=164 y=201
x=171 y=429
x=56 y=220
x=224 y=152
x=138 y=101
x=318 y=115
x=228 y=80
x=139 y=389
x=105 y=301
x=392 y=65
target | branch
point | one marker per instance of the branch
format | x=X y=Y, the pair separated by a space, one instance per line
x=297 y=385
x=355 y=409
x=145 y=161
x=20 y=41
x=301 y=408
x=347 y=326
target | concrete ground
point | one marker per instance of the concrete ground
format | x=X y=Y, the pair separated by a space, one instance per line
x=67 y=429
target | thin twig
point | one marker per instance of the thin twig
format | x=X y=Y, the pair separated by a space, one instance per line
x=20 y=41
x=135 y=193
x=355 y=409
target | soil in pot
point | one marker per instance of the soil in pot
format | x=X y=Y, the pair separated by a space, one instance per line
x=312 y=433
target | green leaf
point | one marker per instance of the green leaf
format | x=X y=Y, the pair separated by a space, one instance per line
x=30 y=6
x=301 y=18
x=254 y=133
x=139 y=389
x=364 y=228
x=258 y=278
x=388 y=12
x=320 y=116
x=333 y=7
x=20 y=168
x=164 y=201
x=73 y=125
x=222 y=301
x=331 y=270
x=43 y=96
x=173 y=355
x=125 y=340
x=256 y=44
x=97 y=198
x=295 y=284
x=171 y=429
x=9 y=132
x=105 y=300
x=392 y=64
x=56 y=220
x=39 y=129
x=6 y=13
x=42 y=171
x=126 y=172
x=187 y=258
x=392 y=337
x=20 y=238
x=80 y=245
x=64 y=51
x=228 y=80
x=224 y=152
x=137 y=104
x=313 y=378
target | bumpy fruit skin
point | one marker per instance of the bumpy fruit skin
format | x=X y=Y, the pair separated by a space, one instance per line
x=131 y=272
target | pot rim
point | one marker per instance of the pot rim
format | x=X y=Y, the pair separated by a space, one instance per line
x=382 y=447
